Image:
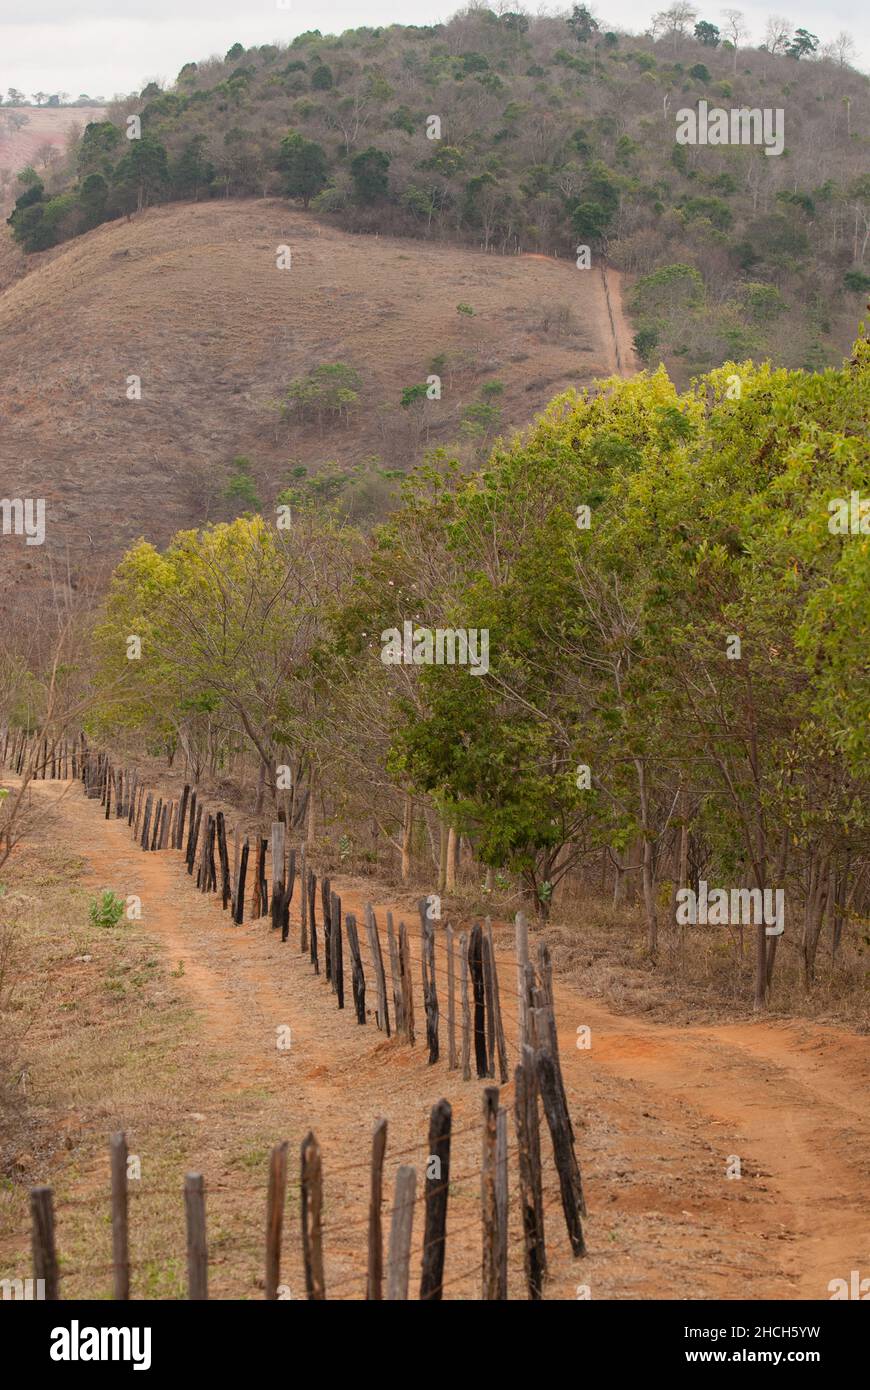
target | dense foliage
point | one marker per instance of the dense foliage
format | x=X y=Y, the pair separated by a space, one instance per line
x=678 y=609
x=553 y=131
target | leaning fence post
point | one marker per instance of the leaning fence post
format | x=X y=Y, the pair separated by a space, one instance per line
x=275 y=1217
x=378 y=965
x=197 y=1249
x=311 y=1207
x=570 y=1183
x=437 y=1185
x=42 y=1242
x=357 y=975
x=401 y=1227
x=374 y=1281
x=120 y=1228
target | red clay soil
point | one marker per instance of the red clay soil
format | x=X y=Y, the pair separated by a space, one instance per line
x=659 y=1111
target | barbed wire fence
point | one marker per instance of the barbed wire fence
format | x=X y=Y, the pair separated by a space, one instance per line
x=475 y=1018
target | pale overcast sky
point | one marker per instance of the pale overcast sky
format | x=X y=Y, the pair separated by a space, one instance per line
x=104 y=47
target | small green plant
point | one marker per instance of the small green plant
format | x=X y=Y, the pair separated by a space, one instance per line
x=344 y=847
x=106 y=911
x=241 y=487
x=465 y=309
x=177 y=974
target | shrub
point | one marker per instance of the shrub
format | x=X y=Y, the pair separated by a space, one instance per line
x=107 y=910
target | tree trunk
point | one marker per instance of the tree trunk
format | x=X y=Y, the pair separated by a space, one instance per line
x=442 y=858
x=407 y=836
x=450 y=867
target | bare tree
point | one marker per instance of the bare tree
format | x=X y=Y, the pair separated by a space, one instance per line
x=777 y=33
x=736 y=30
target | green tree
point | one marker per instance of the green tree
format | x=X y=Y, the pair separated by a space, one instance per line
x=369 y=171
x=303 y=164
x=143 y=173
x=582 y=24
x=707 y=33
x=802 y=44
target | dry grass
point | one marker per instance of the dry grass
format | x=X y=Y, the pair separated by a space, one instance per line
x=97 y=1038
x=188 y=297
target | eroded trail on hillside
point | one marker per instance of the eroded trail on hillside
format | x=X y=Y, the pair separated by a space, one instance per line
x=659 y=1111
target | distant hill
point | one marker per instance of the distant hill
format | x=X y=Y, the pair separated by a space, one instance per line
x=190 y=300
x=554 y=132
x=37 y=136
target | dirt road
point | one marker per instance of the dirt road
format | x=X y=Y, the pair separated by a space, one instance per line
x=661 y=1112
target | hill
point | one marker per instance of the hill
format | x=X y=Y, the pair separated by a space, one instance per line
x=531 y=134
x=37 y=136
x=189 y=299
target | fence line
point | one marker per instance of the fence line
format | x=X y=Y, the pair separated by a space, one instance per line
x=158 y=824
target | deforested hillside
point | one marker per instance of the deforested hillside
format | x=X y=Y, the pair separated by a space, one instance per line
x=37 y=136
x=531 y=134
x=168 y=371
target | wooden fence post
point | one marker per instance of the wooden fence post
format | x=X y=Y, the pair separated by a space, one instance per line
x=120 y=1226
x=475 y=965
x=570 y=1183
x=277 y=872
x=501 y=1202
x=437 y=1185
x=378 y=965
x=337 y=949
x=489 y=1214
x=522 y=940
x=488 y=994
x=407 y=983
x=239 y=915
x=197 y=1249
x=357 y=976
x=401 y=1227
x=466 y=1009
x=374 y=1281
x=529 y=1164
x=182 y=813
x=451 y=1003
x=325 y=902
x=42 y=1242
x=430 y=990
x=275 y=1199
x=312 y=922
x=500 y=1043
x=288 y=895
x=311 y=1206
x=264 y=882
x=303 y=904
x=193 y=837
x=146 y=825
x=396 y=977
